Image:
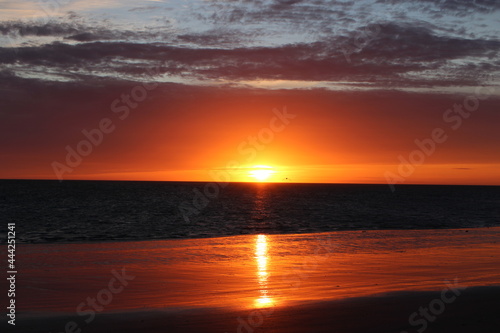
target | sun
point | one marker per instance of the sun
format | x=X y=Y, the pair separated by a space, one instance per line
x=261 y=172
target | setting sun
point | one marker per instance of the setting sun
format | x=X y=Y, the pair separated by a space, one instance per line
x=261 y=172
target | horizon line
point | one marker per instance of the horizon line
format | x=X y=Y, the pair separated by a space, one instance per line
x=241 y=182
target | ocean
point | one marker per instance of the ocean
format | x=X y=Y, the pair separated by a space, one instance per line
x=48 y=211
x=191 y=257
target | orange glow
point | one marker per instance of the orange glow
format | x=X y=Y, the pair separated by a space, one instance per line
x=333 y=139
x=261 y=172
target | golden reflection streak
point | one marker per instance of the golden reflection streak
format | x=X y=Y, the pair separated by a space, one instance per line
x=261 y=256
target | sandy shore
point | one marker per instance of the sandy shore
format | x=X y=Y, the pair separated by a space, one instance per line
x=372 y=281
x=475 y=311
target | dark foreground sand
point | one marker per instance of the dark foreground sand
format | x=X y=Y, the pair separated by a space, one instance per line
x=373 y=281
x=477 y=309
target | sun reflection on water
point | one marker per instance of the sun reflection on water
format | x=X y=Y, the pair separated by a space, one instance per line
x=261 y=255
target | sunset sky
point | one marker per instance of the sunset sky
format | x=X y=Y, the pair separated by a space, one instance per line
x=315 y=91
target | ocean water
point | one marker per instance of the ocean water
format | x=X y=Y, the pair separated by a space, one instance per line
x=93 y=211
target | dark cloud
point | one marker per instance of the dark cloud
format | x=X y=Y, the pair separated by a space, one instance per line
x=466 y=6
x=84 y=37
x=318 y=17
x=34 y=29
x=216 y=38
x=307 y=16
x=282 y=4
x=439 y=9
x=80 y=32
x=384 y=54
x=144 y=8
x=403 y=42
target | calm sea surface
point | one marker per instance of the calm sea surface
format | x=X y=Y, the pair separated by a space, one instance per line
x=88 y=211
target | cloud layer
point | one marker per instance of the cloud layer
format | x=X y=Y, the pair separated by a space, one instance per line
x=331 y=41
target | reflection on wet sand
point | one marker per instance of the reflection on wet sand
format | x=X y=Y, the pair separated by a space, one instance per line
x=256 y=271
x=261 y=255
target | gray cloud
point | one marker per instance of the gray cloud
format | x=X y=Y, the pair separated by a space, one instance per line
x=33 y=29
x=80 y=32
x=464 y=7
x=392 y=52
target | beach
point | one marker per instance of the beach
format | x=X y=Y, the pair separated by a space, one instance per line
x=277 y=166
x=345 y=281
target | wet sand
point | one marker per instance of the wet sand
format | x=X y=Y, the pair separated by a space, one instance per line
x=349 y=281
x=476 y=311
